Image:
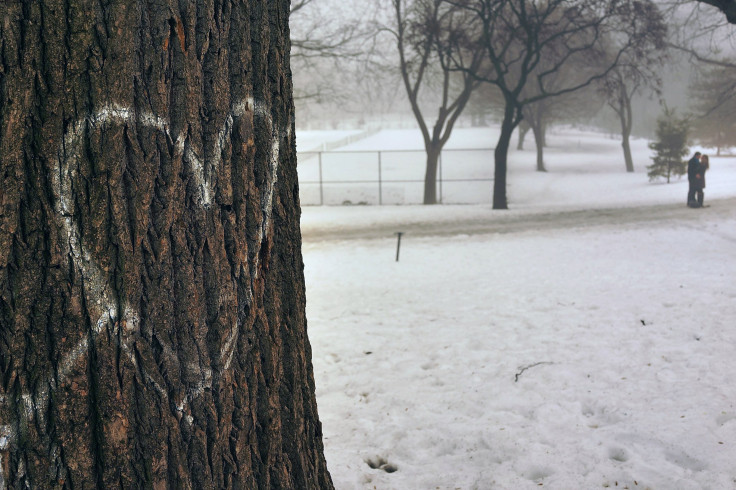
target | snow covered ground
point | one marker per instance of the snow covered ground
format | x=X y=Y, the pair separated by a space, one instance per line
x=583 y=339
x=351 y=173
x=316 y=140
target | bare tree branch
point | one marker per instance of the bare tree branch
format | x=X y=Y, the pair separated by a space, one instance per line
x=698 y=56
x=728 y=7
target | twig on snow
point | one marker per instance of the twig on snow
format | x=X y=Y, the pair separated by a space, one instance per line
x=529 y=366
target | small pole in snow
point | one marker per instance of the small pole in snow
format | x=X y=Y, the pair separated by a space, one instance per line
x=398 y=245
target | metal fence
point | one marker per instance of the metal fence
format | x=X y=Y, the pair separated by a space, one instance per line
x=393 y=176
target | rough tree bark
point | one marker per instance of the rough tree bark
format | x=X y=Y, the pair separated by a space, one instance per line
x=152 y=305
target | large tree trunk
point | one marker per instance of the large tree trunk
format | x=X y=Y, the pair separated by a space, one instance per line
x=500 y=155
x=628 y=159
x=626 y=125
x=626 y=118
x=152 y=324
x=430 y=175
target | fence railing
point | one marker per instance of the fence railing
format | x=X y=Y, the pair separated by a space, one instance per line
x=348 y=140
x=393 y=176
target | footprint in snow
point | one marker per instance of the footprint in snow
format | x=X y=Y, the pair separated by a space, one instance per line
x=380 y=463
x=725 y=418
x=618 y=454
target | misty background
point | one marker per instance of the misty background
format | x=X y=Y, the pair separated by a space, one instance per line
x=346 y=74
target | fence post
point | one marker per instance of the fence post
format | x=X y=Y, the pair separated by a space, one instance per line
x=321 y=190
x=380 y=183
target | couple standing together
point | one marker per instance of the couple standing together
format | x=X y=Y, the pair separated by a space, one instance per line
x=696 y=168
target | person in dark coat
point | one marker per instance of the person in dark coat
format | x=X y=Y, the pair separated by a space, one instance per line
x=694 y=174
x=704 y=165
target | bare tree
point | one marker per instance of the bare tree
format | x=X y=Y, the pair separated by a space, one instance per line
x=152 y=303
x=538 y=116
x=619 y=90
x=544 y=112
x=517 y=36
x=714 y=107
x=634 y=74
x=707 y=40
x=318 y=35
x=326 y=36
x=422 y=28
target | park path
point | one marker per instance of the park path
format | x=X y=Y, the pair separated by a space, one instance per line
x=676 y=214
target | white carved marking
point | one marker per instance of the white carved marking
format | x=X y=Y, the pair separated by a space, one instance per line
x=228 y=349
x=94 y=282
x=7 y=434
x=267 y=201
x=199 y=176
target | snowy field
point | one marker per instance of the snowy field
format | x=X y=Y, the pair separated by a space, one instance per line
x=317 y=140
x=351 y=173
x=583 y=339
